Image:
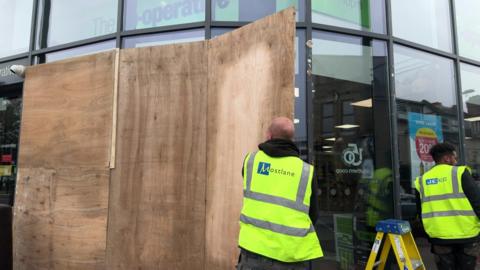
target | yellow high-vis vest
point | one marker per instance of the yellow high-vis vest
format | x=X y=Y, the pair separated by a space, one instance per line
x=274 y=221
x=446 y=211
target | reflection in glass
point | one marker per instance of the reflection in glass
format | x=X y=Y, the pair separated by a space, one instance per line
x=78 y=51
x=164 y=38
x=15 y=30
x=427 y=114
x=140 y=14
x=251 y=10
x=471 y=113
x=468 y=28
x=300 y=93
x=351 y=146
x=76 y=20
x=426 y=22
x=366 y=15
x=10 y=109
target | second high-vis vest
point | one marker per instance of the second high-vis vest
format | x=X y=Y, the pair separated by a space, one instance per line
x=446 y=211
x=274 y=221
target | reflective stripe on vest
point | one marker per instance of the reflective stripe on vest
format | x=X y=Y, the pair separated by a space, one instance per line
x=456 y=194
x=295 y=205
x=276 y=227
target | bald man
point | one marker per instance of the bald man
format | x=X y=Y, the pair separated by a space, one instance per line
x=279 y=205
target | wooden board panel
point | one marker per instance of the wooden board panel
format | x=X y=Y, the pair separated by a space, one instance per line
x=61 y=218
x=157 y=203
x=251 y=75
x=67 y=113
x=62 y=188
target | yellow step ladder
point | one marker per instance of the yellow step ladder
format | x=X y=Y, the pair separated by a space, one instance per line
x=399 y=237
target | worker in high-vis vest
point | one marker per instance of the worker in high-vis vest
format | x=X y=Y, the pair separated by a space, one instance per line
x=279 y=205
x=449 y=204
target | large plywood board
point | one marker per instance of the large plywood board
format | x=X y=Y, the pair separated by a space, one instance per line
x=187 y=115
x=251 y=75
x=61 y=199
x=157 y=203
x=67 y=113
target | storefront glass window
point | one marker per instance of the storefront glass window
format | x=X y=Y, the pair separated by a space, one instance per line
x=78 y=51
x=10 y=109
x=16 y=23
x=468 y=28
x=471 y=114
x=76 y=20
x=427 y=114
x=426 y=22
x=251 y=10
x=300 y=92
x=365 y=15
x=164 y=38
x=140 y=14
x=351 y=146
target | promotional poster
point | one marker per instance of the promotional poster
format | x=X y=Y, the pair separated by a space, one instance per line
x=425 y=130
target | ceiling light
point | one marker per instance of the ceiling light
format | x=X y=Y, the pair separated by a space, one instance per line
x=330 y=139
x=367 y=103
x=468 y=138
x=327 y=146
x=347 y=126
x=473 y=119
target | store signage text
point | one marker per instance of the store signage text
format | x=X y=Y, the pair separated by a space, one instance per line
x=5 y=71
x=352 y=155
x=154 y=16
x=6 y=76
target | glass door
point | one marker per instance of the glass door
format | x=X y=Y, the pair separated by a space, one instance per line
x=351 y=145
x=10 y=110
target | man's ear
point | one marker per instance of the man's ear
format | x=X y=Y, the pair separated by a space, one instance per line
x=268 y=135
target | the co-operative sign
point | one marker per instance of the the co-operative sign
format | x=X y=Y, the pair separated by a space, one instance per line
x=173 y=12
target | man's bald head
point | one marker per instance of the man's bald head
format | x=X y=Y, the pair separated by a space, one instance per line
x=281 y=128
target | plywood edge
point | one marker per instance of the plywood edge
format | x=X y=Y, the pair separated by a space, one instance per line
x=116 y=71
x=153 y=46
x=34 y=68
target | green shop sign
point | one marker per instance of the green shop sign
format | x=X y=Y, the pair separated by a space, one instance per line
x=151 y=13
x=354 y=11
x=168 y=12
x=229 y=10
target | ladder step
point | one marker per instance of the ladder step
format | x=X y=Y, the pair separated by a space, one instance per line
x=416 y=264
x=377 y=263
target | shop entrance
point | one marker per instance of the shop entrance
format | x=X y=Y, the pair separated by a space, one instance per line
x=10 y=114
x=351 y=142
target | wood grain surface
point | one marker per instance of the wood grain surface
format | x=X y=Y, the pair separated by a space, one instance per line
x=250 y=81
x=187 y=116
x=157 y=203
x=67 y=113
x=61 y=198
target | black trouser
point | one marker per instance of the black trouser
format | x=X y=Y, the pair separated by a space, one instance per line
x=456 y=256
x=251 y=261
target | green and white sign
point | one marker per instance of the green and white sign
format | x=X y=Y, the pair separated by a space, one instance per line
x=353 y=11
x=229 y=10
x=151 y=13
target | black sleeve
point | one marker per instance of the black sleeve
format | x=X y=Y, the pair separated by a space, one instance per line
x=313 y=213
x=243 y=164
x=472 y=191
x=418 y=202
